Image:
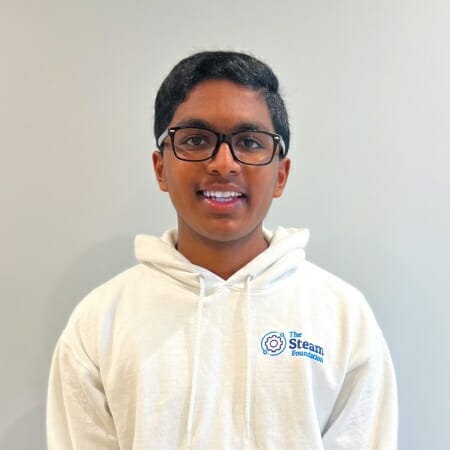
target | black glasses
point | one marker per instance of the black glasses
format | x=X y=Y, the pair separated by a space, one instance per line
x=252 y=147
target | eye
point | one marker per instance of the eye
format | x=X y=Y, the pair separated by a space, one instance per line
x=250 y=141
x=194 y=140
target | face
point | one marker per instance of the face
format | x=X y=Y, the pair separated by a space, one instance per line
x=197 y=188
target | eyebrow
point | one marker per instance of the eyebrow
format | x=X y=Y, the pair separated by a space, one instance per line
x=242 y=126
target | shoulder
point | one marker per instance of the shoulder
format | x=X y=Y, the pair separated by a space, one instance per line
x=95 y=313
x=106 y=295
x=339 y=308
x=331 y=286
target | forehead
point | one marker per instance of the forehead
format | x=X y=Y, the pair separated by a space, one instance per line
x=223 y=105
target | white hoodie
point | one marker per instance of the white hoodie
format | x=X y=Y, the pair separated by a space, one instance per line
x=167 y=355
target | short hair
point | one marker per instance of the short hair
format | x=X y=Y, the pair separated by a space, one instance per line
x=236 y=67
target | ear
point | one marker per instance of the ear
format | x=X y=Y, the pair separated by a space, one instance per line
x=158 y=167
x=282 y=177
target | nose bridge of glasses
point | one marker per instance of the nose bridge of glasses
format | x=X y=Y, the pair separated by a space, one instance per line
x=221 y=139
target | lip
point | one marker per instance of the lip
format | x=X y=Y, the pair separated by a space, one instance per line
x=222 y=188
x=220 y=203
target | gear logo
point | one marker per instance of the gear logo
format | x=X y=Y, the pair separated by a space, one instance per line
x=273 y=343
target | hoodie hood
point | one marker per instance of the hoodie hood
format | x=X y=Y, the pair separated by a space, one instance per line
x=285 y=252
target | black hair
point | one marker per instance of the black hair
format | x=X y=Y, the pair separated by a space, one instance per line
x=237 y=67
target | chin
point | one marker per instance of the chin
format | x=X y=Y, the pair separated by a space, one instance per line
x=229 y=233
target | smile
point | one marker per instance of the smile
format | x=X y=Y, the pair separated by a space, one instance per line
x=222 y=196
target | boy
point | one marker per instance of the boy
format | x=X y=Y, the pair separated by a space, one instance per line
x=224 y=336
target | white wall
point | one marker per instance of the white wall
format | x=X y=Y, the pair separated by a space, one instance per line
x=368 y=88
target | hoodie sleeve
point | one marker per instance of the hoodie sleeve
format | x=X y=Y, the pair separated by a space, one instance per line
x=365 y=414
x=78 y=417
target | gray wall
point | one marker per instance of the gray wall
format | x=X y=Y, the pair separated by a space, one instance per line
x=368 y=88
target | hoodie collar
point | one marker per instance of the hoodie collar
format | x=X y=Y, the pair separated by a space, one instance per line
x=285 y=251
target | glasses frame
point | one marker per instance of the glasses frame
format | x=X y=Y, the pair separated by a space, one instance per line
x=221 y=137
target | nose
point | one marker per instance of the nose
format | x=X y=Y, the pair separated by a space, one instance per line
x=223 y=162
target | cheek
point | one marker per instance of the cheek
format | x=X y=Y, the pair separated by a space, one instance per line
x=272 y=182
x=264 y=188
x=181 y=180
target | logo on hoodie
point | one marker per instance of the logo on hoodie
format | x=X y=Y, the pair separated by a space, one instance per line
x=274 y=343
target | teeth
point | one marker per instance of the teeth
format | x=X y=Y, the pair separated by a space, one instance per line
x=222 y=196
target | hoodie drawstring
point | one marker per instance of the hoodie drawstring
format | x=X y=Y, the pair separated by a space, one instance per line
x=195 y=363
x=249 y=375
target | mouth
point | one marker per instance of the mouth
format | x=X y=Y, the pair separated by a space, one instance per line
x=224 y=197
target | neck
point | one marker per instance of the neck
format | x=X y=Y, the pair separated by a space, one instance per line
x=223 y=258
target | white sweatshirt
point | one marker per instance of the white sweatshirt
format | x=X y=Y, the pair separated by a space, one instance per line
x=167 y=355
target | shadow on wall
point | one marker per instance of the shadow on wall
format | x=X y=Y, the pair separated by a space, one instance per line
x=27 y=432
x=96 y=265
x=92 y=268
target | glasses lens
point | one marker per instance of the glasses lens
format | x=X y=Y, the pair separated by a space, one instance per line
x=194 y=144
x=253 y=147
